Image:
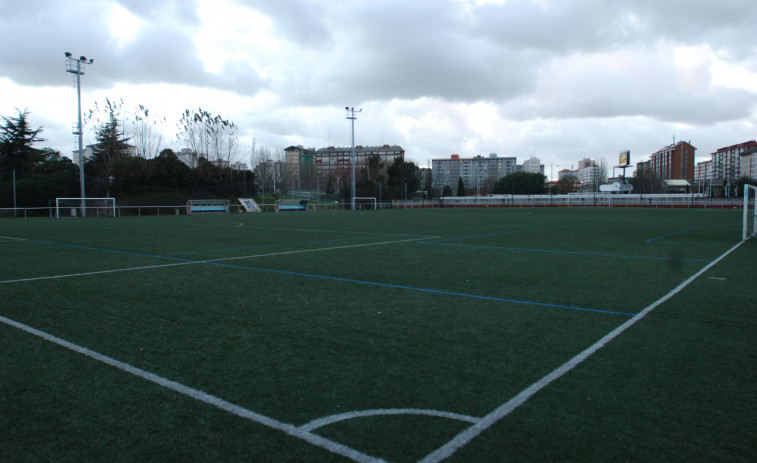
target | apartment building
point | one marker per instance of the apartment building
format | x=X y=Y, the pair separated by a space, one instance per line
x=674 y=162
x=477 y=172
x=729 y=163
x=333 y=159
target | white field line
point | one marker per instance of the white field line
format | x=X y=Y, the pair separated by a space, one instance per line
x=315 y=230
x=8 y=239
x=325 y=421
x=505 y=409
x=210 y=261
x=201 y=396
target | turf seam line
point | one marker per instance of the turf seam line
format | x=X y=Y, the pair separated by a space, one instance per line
x=513 y=232
x=551 y=251
x=669 y=234
x=505 y=409
x=201 y=396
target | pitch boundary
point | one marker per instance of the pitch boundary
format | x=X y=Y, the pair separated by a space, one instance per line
x=505 y=409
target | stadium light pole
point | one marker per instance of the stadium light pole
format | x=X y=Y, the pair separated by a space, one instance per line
x=76 y=66
x=351 y=116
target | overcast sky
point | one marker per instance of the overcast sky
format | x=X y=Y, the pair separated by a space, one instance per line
x=560 y=80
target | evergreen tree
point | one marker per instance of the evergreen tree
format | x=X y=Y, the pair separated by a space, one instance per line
x=402 y=176
x=16 y=140
x=460 y=187
x=109 y=154
x=521 y=183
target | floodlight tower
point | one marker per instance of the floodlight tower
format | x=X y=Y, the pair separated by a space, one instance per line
x=76 y=66
x=351 y=116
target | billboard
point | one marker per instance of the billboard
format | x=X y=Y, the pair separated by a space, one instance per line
x=624 y=158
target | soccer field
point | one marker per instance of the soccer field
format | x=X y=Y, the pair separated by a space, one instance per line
x=460 y=335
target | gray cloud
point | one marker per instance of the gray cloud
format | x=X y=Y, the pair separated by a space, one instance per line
x=556 y=72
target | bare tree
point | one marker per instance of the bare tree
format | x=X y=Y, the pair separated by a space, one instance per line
x=146 y=132
x=602 y=171
x=140 y=126
x=212 y=137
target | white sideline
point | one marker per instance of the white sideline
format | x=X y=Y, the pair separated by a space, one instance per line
x=196 y=394
x=503 y=410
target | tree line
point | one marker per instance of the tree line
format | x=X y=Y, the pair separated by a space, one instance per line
x=127 y=161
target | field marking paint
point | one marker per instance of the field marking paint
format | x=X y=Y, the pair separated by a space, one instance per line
x=259 y=246
x=182 y=261
x=221 y=263
x=551 y=251
x=670 y=234
x=10 y=239
x=505 y=409
x=98 y=272
x=201 y=396
x=716 y=278
x=325 y=421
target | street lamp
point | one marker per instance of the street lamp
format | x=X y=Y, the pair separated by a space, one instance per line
x=76 y=66
x=351 y=116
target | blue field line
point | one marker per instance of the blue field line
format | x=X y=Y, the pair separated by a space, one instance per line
x=339 y=279
x=512 y=232
x=414 y=288
x=670 y=234
x=551 y=251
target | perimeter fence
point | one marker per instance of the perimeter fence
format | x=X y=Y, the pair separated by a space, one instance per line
x=590 y=200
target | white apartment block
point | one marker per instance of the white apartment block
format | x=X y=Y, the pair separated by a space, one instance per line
x=477 y=172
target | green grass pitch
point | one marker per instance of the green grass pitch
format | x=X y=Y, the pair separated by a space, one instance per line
x=378 y=336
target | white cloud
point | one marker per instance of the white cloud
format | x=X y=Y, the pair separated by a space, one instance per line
x=557 y=79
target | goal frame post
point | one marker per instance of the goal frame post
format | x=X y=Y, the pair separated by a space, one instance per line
x=362 y=201
x=77 y=204
x=749 y=218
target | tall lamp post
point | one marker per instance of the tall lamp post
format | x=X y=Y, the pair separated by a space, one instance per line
x=76 y=66
x=351 y=116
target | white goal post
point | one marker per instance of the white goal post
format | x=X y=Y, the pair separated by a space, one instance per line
x=365 y=203
x=85 y=207
x=750 y=212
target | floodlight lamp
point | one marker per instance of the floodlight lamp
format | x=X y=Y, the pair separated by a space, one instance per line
x=82 y=58
x=346 y=108
x=91 y=60
x=68 y=55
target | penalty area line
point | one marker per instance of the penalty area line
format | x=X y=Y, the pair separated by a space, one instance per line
x=505 y=409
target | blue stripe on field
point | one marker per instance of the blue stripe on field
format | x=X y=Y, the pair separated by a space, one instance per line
x=550 y=251
x=669 y=234
x=340 y=279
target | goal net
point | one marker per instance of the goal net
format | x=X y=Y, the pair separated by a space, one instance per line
x=85 y=207
x=365 y=203
x=750 y=212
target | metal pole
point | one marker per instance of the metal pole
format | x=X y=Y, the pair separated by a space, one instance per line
x=352 y=159
x=78 y=71
x=14 y=192
x=81 y=147
x=351 y=116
